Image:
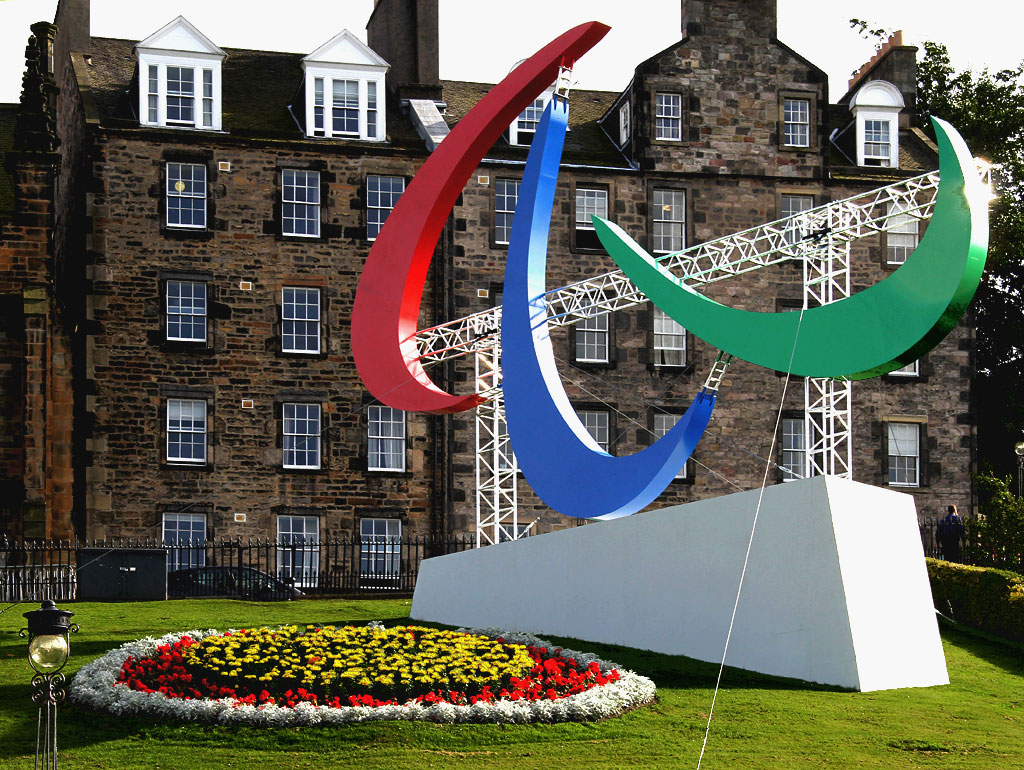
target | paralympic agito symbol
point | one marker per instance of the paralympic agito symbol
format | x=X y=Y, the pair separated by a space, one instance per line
x=866 y=335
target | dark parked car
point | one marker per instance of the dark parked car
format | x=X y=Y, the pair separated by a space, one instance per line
x=240 y=582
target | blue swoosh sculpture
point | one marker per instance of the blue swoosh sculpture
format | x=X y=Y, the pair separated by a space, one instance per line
x=558 y=457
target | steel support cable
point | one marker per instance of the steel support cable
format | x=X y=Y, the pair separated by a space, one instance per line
x=750 y=543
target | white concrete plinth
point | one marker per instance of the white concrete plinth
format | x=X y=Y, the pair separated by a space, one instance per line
x=836 y=589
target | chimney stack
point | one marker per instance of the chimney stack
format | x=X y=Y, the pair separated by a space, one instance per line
x=405 y=34
x=741 y=19
x=72 y=22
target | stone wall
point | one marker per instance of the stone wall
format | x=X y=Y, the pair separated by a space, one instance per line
x=245 y=263
x=35 y=428
x=729 y=163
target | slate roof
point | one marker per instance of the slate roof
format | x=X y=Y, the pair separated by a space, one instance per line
x=258 y=86
x=8 y=118
x=586 y=142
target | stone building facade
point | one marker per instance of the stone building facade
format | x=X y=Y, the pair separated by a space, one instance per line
x=214 y=211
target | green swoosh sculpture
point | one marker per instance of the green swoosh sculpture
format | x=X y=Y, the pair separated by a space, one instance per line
x=875 y=331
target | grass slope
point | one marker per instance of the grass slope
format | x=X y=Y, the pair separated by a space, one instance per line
x=760 y=722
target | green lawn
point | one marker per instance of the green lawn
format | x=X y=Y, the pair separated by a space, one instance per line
x=760 y=722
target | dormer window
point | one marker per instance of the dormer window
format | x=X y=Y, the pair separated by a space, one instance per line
x=179 y=76
x=343 y=95
x=876 y=110
x=624 y=127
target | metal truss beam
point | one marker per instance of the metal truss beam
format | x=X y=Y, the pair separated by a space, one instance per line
x=820 y=238
x=769 y=244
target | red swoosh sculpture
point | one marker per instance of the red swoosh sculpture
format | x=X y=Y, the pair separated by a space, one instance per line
x=386 y=310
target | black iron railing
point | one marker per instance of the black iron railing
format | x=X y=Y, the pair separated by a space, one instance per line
x=287 y=567
x=967 y=550
x=254 y=568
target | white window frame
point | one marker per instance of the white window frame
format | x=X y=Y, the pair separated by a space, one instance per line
x=876 y=133
x=304 y=530
x=663 y=423
x=206 y=103
x=504 y=208
x=369 y=102
x=190 y=311
x=904 y=454
x=593 y=339
x=524 y=127
x=385 y=439
x=794 y=448
x=298 y=321
x=598 y=424
x=380 y=548
x=625 y=124
x=796 y=115
x=301 y=428
x=669 y=341
x=300 y=203
x=179 y=189
x=590 y=201
x=380 y=200
x=668 y=220
x=913 y=369
x=186 y=532
x=186 y=417
x=791 y=204
x=902 y=234
x=668 y=116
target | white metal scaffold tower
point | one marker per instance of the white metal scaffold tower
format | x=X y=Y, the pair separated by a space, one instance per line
x=820 y=238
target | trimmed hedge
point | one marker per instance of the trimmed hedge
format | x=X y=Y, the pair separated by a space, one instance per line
x=983 y=597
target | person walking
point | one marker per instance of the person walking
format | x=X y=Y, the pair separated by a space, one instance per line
x=950 y=534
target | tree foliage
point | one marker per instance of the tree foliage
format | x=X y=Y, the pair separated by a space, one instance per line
x=996 y=536
x=988 y=110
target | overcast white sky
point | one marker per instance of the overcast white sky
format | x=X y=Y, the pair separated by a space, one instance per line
x=482 y=39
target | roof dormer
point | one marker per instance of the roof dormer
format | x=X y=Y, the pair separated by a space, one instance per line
x=180 y=78
x=876 y=108
x=343 y=93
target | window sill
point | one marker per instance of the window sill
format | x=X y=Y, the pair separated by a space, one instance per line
x=183 y=127
x=671 y=370
x=686 y=481
x=594 y=364
x=171 y=466
x=196 y=347
x=186 y=234
x=295 y=354
x=322 y=470
x=346 y=138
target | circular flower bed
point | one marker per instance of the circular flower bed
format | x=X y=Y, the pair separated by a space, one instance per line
x=329 y=675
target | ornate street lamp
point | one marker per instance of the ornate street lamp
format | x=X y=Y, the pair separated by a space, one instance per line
x=48 y=649
x=1018 y=449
